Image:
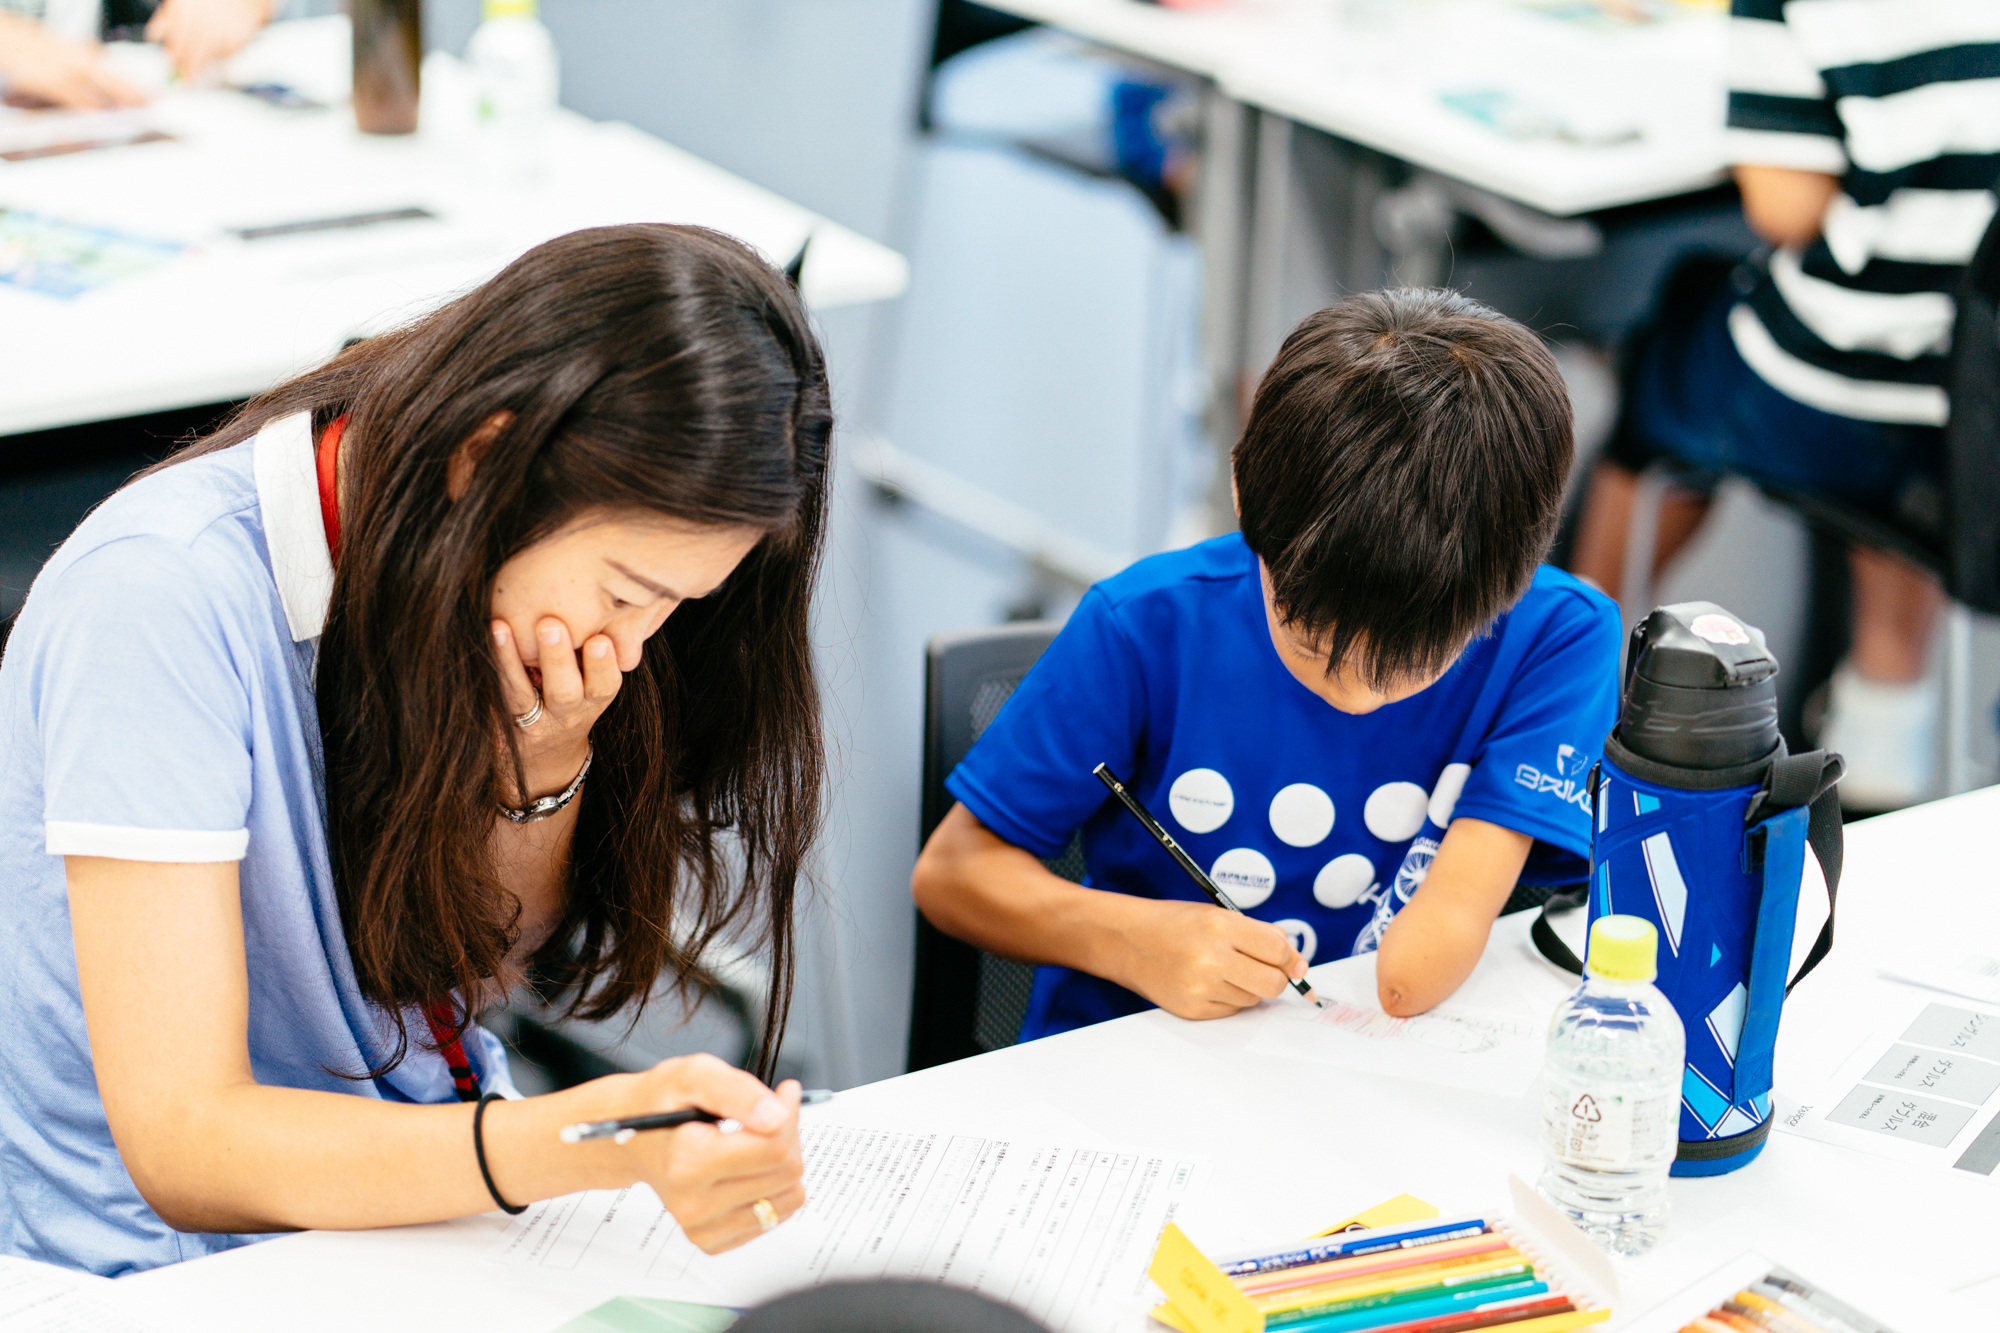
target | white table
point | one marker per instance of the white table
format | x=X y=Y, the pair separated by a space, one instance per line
x=230 y=317
x=1293 y=1146
x=1374 y=71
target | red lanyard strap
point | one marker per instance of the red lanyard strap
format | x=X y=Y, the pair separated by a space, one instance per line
x=463 y=1081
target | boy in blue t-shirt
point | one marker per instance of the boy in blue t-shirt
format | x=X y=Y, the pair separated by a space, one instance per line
x=1370 y=714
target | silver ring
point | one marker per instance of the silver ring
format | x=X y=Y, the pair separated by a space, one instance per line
x=531 y=717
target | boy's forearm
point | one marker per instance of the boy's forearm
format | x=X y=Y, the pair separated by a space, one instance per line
x=1438 y=938
x=975 y=886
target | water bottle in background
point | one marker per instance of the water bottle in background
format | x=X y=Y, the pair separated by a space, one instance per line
x=1611 y=1114
x=513 y=62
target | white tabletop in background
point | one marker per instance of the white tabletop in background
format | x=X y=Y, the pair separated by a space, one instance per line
x=1372 y=71
x=229 y=318
x=1293 y=1146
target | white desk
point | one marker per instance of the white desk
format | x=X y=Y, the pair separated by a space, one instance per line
x=229 y=318
x=1293 y=1146
x=1373 y=72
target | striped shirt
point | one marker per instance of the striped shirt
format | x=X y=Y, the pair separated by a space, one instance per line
x=1901 y=100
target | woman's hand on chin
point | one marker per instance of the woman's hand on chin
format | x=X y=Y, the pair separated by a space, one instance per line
x=575 y=687
x=711 y=1180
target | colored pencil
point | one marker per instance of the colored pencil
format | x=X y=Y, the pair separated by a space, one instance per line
x=1448 y=1272
x=1531 y=1307
x=1363 y=1265
x=1365 y=1319
x=1356 y=1244
x=1464 y=1290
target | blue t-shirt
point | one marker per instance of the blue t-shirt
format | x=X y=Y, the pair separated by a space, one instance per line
x=156 y=704
x=1318 y=820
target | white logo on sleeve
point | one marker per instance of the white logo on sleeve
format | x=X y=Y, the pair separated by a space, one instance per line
x=1341 y=881
x=1201 y=800
x=1245 y=874
x=1302 y=815
x=1569 y=782
x=1395 y=811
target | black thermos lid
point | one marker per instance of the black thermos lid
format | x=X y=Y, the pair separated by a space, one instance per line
x=1701 y=689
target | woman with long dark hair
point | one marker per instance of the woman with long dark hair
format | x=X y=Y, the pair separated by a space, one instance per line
x=481 y=648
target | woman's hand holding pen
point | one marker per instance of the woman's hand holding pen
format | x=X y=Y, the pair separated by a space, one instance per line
x=709 y=1179
x=573 y=688
x=1196 y=960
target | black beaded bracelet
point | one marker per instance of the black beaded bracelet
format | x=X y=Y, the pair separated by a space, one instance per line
x=479 y=1150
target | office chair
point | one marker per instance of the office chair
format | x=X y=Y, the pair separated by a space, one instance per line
x=965 y=1001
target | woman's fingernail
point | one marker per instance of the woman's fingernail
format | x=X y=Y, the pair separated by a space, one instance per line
x=500 y=635
x=600 y=649
x=551 y=635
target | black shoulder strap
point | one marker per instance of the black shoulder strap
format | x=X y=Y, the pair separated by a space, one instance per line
x=1544 y=935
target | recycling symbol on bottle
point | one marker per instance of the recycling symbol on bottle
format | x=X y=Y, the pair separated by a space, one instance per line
x=1586 y=1109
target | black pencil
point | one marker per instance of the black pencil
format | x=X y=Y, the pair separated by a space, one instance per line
x=1186 y=862
x=623 y=1130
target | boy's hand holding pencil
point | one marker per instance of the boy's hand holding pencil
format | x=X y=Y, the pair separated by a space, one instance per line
x=1198 y=961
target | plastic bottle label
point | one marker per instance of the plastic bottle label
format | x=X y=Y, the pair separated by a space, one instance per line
x=1608 y=1131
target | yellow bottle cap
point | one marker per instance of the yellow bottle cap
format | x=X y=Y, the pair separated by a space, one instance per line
x=510 y=9
x=1623 y=948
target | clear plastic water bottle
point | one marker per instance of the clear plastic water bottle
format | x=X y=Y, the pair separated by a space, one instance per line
x=1611 y=1115
x=513 y=61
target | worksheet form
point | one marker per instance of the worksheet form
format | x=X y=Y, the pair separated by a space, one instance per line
x=1061 y=1229
x=1923 y=1087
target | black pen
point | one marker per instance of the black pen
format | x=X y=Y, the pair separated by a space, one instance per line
x=1195 y=872
x=621 y=1131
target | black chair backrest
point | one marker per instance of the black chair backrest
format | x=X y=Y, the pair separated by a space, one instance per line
x=964 y=1001
x=1972 y=436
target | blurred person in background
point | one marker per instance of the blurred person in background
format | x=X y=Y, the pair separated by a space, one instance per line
x=51 y=52
x=1866 y=143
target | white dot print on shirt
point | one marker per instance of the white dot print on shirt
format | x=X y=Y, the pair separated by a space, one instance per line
x=1444 y=796
x=1341 y=881
x=1302 y=815
x=1246 y=875
x=1201 y=800
x=1303 y=937
x=1395 y=811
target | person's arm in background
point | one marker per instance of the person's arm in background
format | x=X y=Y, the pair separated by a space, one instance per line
x=1785 y=205
x=39 y=65
x=1783 y=130
x=1192 y=959
x=201 y=33
x=1433 y=944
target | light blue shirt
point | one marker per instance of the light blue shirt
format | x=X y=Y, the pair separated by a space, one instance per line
x=156 y=704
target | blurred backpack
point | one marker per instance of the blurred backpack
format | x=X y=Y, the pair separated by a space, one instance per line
x=1972 y=435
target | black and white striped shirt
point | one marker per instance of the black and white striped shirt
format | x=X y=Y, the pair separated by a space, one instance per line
x=1901 y=100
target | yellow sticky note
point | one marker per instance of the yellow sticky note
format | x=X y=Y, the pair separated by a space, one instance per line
x=1403 y=1208
x=1199 y=1292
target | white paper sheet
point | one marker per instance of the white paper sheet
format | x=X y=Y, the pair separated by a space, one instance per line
x=41 y=1298
x=1458 y=1046
x=1061 y=1229
x=1948 y=967
x=1923 y=1088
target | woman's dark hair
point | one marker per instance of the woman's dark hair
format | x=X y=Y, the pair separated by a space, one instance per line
x=1402 y=475
x=656 y=368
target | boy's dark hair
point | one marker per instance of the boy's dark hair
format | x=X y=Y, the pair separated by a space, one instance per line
x=1402 y=475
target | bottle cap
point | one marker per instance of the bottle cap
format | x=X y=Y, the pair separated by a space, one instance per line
x=510 y=9
x=1623 y=948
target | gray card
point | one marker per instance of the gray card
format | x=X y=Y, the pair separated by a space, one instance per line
x=1962 y=1030
x=1914 y=1069
x=1923 y=1120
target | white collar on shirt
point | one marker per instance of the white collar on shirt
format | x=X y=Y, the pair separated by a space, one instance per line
x=287 y=474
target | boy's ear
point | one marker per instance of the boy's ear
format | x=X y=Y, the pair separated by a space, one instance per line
x=1235 y=505
x=471 y=451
